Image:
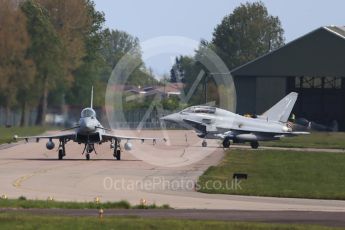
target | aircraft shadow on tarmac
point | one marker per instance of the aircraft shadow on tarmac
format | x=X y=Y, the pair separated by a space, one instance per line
x=196 y=146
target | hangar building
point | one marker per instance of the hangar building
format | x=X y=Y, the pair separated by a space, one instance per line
x=312 y=65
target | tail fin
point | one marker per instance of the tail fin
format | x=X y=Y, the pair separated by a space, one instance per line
x=91 y=106
x=282 y=110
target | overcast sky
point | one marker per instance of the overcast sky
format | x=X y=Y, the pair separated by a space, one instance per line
x=195 y=19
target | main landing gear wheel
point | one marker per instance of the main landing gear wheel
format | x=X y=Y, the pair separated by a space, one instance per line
x=117 y=149
x=87 y=156
x=254 y=144
x=226 y=142
x=61 y=154
x=62 y=151
x=117 y=154
x=204 y=143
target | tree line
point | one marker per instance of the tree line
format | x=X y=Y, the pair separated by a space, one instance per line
x=245 y=34
x=52 y=52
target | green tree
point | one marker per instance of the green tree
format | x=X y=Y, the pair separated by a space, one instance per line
x=71 y=22
x=247 y=33
x=115 y=45
x=191 y=68
x=175 y=71
x=46 y=51
x=89 y=72
x=16 y=70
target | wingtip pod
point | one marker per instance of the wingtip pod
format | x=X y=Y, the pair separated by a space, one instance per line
x=16 y=137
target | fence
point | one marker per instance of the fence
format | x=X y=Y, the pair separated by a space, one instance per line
x=14 y=117
x=121 y=120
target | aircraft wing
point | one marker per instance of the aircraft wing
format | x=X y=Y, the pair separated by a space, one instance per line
x=109 y=137
x=64 y=136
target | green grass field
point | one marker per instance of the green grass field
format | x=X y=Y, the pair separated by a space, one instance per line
x=334 y=140
x=21 y=221
x=6 y=134
x=279 y=174
x=24 y=203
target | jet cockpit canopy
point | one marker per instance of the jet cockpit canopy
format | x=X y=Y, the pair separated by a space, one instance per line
x=88 y=112
x=200 y=109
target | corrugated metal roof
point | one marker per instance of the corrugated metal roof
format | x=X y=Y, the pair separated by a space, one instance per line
x=339 y=30
x=320 y=52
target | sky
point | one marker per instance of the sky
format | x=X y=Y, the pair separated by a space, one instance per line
x=189 y=21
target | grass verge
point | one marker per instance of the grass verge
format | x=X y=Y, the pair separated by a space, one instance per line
x=21 y=221
x=22 y=202
x=334 y=140
x=8 y=133
x=278 y=174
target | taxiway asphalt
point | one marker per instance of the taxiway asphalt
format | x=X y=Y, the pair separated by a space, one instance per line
x=161 y=174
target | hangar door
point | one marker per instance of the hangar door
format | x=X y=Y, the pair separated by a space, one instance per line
x=321 y=99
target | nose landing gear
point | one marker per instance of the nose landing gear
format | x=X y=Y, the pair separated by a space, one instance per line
x=89 y=148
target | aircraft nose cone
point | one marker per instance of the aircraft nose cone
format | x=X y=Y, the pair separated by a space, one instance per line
x=87 y=126
x=90 y=127
x=172 y=118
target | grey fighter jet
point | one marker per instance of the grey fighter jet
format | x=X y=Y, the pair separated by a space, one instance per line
x=89 y=132
x=215 y=123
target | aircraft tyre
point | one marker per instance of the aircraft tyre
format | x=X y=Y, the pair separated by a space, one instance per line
x=226 y=142
x=254 y=144
x=204 y=143
x=117 y=155
x=87 y=156
x=61 y=154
